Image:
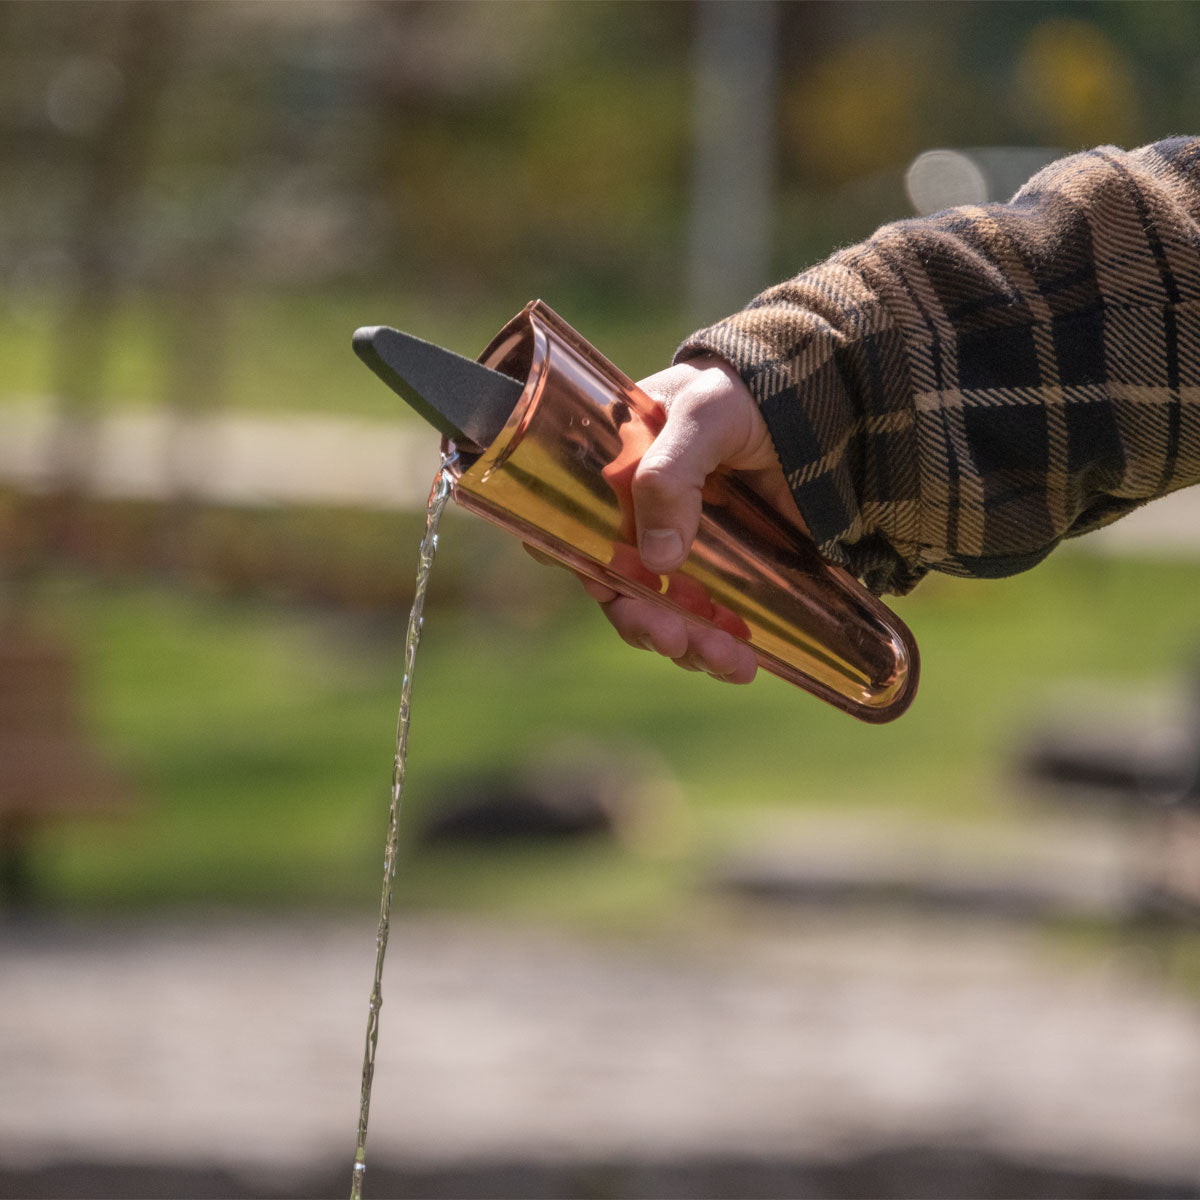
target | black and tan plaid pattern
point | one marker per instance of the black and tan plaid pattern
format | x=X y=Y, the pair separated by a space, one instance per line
x=960 y=393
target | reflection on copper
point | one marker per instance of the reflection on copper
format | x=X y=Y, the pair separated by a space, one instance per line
x=559 y=477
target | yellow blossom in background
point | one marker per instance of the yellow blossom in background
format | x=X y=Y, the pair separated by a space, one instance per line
x=1077 y=85
x=856 y=110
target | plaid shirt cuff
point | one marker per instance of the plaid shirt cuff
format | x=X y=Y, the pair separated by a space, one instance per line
x=962 y=392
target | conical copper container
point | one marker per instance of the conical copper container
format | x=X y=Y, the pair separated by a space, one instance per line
x=558 y=476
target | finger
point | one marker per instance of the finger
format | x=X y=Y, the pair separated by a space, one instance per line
x=597 y=591
x=689 y=644
x=720 y=655
x=648 y=626
x=540 y=556
x=668 y=482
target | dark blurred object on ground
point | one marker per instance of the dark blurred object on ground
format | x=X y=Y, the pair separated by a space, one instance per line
x=576 y=788
x=1148 y=777
x=1040 y=869
x=49 y=770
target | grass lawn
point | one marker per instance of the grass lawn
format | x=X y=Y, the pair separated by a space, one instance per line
x=290 y=351
x=259 y=737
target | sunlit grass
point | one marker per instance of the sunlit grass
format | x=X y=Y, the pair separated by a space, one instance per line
x=259 y=738
x=290 y=351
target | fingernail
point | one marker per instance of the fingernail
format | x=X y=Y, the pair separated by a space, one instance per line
x=661 y=549
x=645 y=643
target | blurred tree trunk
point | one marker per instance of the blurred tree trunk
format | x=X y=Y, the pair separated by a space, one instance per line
x=734 y=123
x=196 y=353
x=145 y=41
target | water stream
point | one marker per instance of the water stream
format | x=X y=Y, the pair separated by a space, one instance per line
x=438 y=496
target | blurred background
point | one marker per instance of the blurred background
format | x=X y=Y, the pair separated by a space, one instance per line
x=654 y=935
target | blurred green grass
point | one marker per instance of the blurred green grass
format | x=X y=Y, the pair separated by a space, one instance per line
x=283 y=352
x=260 y=736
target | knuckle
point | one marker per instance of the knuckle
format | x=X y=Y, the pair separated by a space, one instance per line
x=659 y=475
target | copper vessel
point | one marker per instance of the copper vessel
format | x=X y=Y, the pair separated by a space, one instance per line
x=558 y=476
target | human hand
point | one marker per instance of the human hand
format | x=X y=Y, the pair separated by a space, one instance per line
x=712 y=423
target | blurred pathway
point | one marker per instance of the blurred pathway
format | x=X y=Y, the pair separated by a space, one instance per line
x=232 y=459
x=239 y=459
x=239 y=1043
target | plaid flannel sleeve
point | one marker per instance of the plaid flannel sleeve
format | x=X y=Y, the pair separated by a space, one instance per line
x=960 y=393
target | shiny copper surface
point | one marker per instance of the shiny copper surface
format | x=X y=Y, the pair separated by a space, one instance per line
x=559 y=475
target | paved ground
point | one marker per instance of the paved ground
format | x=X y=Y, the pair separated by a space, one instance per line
x=230 y=459
x=239 y=459
x=237 y=1043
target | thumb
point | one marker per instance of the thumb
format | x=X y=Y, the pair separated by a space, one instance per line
x=668 y=482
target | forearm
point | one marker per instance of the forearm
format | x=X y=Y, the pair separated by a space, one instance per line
x=960 y=393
